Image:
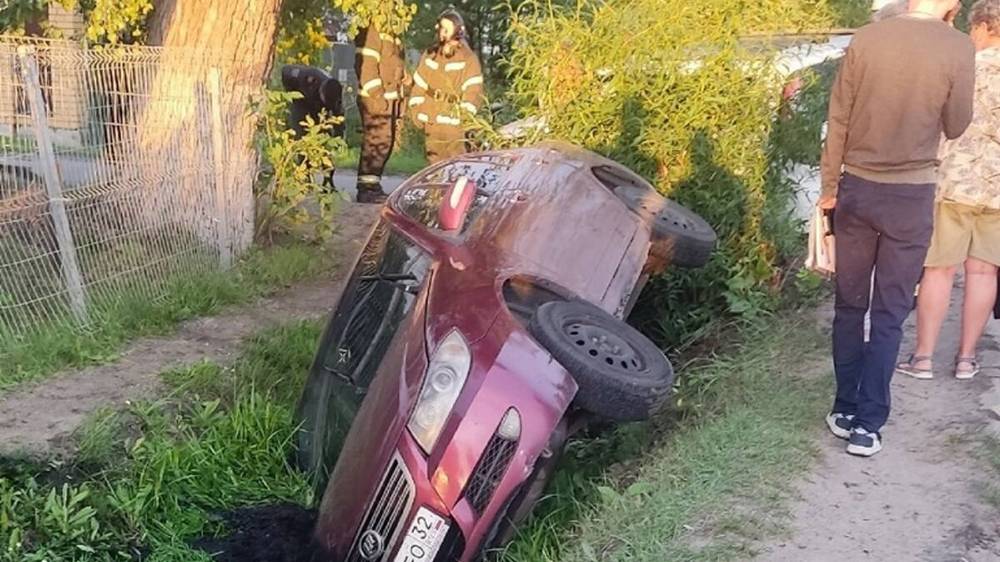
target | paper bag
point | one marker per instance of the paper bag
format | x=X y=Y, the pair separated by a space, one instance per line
x=821 y=257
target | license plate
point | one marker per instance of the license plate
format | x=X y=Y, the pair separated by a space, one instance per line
x=423 y=537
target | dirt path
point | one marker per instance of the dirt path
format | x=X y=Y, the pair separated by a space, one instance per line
x=38 y=419
x=919 y=498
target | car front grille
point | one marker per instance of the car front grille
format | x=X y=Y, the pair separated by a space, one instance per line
x=386 y=513
x=488 y=473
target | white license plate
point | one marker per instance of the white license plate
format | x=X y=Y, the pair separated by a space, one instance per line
x=423 y=537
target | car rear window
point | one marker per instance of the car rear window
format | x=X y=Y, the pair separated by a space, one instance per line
x=422 y=200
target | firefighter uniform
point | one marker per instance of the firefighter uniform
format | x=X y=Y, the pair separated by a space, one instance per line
x=380 y=68
x=446 y=92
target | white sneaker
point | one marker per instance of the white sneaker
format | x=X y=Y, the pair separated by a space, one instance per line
x=840 y=425
x=864 y=443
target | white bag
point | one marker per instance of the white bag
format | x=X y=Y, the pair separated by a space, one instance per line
x=821 y=258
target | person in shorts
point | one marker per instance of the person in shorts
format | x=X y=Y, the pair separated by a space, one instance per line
x=967 y=216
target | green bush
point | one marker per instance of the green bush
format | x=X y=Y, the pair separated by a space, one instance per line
x=288 y=194
x=674 y=90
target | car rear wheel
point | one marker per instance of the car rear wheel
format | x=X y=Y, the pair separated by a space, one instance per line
x=621 y=375
x=680 y=236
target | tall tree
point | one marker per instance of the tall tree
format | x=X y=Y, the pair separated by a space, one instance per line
x=208 y=43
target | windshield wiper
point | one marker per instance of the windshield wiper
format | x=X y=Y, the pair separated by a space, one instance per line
x=400 y=280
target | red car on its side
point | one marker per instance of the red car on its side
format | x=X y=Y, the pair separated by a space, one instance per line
x=480 y=327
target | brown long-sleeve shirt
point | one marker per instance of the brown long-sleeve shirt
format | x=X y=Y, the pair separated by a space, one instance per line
x=903 y=83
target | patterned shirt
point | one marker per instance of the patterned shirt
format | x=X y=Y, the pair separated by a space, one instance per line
x=970 y=165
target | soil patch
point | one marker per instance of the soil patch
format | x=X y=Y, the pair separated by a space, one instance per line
x=270 y=533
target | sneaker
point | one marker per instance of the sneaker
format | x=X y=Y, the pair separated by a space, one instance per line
x=864 y=443
x=840 y=425
x=372 y=196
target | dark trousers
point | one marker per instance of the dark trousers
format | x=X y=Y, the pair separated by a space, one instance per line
x=378 y=139
x=883 y=228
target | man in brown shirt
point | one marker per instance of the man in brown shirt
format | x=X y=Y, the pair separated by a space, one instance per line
x=903 y=84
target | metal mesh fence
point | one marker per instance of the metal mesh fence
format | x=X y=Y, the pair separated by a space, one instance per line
x=112 y=179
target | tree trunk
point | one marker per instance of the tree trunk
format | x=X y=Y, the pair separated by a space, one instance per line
x=202 y=144
x=238 y=35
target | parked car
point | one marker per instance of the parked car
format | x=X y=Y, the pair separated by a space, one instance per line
x=481 y=326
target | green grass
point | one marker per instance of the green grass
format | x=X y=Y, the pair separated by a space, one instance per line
x=703 y=482
x=34 y=356
x=700 y=483
x=219 y=441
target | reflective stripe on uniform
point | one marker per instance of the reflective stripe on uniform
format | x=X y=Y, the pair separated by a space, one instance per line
x=419 y=80
x=369 y=179
x=417 y=100
x=369 y=52
x=373 y=83
x=447 y=120
x=454 y=66
x=472 y=82
x=391 y=95
x=423 y=117
x=390 y=38
x=432 y=64
x=470 y=107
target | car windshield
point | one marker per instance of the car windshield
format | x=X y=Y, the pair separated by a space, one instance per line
x=378 y=298
x=422 y=200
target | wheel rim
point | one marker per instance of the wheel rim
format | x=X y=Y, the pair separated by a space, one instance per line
x=604 y=346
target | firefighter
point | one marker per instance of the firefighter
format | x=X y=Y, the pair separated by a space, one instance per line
x=447 y=89
x=319 y=92
x=379 y=64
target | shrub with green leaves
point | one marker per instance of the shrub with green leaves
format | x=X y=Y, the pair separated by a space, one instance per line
x=292 y=163
x=685 y=94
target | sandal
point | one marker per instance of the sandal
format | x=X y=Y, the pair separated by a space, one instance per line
x=910 y=369
x=966 y=374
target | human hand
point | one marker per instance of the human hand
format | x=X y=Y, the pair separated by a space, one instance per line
x=949 y=18
x=828 y=202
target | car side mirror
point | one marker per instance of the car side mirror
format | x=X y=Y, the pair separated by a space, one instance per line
x=456 y=204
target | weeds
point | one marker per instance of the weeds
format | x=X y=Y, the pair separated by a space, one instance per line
x=29 y=357
x=167 y=468
x=706 y=477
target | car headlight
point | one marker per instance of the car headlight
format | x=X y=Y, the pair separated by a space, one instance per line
x=446 y=374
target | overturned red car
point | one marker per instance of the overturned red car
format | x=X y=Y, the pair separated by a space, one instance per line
x=481 y=326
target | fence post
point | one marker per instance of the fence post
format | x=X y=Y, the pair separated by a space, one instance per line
x=53 y=183
x=223 y=229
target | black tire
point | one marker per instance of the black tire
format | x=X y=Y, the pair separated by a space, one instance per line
x=621 y=375
x=680 y=236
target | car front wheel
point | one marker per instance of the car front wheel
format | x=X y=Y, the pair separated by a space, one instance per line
x=621 y=374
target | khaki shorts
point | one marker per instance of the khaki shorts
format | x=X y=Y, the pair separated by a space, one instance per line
x=962 y=231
